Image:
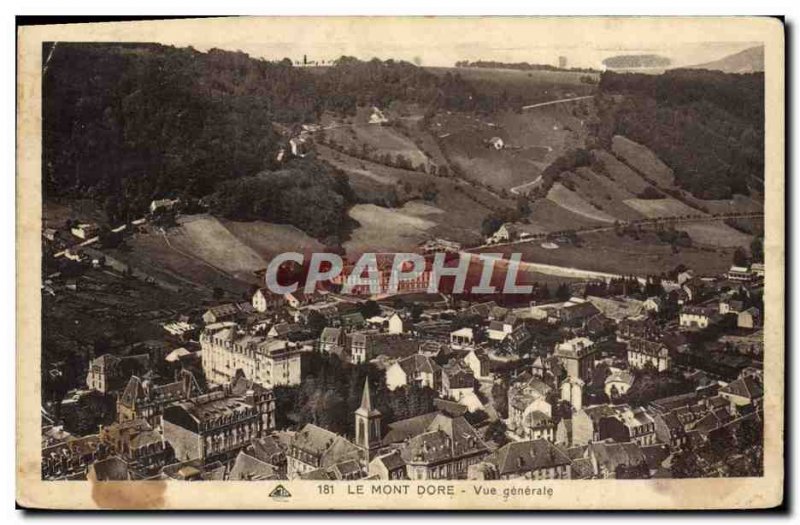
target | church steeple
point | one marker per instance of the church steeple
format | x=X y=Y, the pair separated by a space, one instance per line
x=368 y=425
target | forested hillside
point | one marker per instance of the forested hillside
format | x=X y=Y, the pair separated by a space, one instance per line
x=126 y=123
x=308 y=194
x=707 y=126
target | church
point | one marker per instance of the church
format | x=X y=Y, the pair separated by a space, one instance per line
x=435 y=445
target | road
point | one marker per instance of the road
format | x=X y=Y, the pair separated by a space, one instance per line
x=534 y=182
x=567 y=271
x=665 y=221
x=560 y=101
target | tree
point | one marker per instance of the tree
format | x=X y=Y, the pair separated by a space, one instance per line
x=500 y=398
x=757 y=249
x=369 y=309
x=562 y=292
x=496 y=432
x=740 y=257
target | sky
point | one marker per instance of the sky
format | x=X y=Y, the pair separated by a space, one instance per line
x=443 y=41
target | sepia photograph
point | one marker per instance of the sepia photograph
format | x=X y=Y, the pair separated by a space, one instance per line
x=401 y=262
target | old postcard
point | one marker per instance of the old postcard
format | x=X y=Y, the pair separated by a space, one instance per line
x=401 y=263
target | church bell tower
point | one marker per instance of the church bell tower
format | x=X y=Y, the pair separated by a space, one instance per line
x=368 y=425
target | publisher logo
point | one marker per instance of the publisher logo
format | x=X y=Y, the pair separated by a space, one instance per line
x=280 y=492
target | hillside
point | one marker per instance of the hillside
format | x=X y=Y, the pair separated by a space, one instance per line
x=750 y=60
x=706 y=126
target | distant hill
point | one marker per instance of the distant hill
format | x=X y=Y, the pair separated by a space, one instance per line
x=635 y=61
x=750 y=60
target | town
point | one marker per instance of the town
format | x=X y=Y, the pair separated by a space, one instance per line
x=565 y=267
x=609 y=378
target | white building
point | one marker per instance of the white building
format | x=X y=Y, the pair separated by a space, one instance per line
x=461 y=338
x=268 y=362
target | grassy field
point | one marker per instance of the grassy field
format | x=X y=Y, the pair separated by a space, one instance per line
x=530 y=87
x=374 y=140
x=602 y=193
x=464 y=206
x=533 y=139
x=206 y=238
x=267 y=239
x=390 y=230
x=607 y=252
x=643 y=160
x=150 y=254
x=571 y=201
x=716 y=234
x=548 y=216
x=619 y=172
x=667 y=207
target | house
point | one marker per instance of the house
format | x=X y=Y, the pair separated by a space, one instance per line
x=571 y=391
x=730 y=306
x=220 y=313
x=249 y=468
x=479 y=363
x=432 y=246
x=596 y=423
x=284 y=330
x=331 y=340
x=537 y=425
x=653 y=304
x=143 y=400
x=696 y=317
x=608 y=458
x=750 y=318
x=533 y=460
x=618 y=383
x=112 y=468
x=415 y=369
x=524 y=399
x=177 y=355
x=615 y=308
x=299 y=298
x=85 y=231
x=463 y=337
x=317 y=453
x=757 y=269
x=226 y=350
x=746 y=390
x=109 y=373
x=359 y=348
x=163 y=205
x=136 y=443
x=51 y=234
x=577 y=357
x=505 y=233
x=395 y=324
x=739 y=273
x=637 y=327
x=642 y=351
x=313 y=448
x=496 y=143
x=456 y=382
x=389 y=466
x=218 y=425
x=441 y=446
x=347 y=470
x=639 y=424
x=298 y=146
x=377 y=116
x=263 y=300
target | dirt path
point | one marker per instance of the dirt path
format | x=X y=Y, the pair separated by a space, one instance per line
x=560 y=101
